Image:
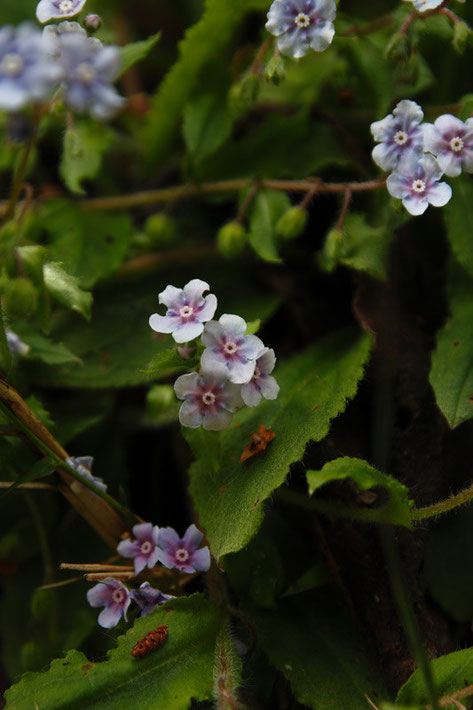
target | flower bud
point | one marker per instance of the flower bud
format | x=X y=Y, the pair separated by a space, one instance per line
x=275 y=70
x=333 y=248
x=92 y=22
x=160 y=229
x=159 y=401
x=244 y=94
x=20 y=298
x=462 y=36
x=398 y=49
x=292 y=223
x=231 y=239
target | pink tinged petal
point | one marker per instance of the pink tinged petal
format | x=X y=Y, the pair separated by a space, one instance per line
x=396 y=185
x=433 y=141
x=233 y=400
x=155 y=535
x=252 y=347
x=381 y=129
x=186 y=385
x=241 y=372
x=409 y=112
x=143 y=531
x=384 y=157
x=269 y=387
x=251 y=394
x=100 y=595
x=212 y=369
x=212 y=334
x=111 y=615
x=430 y=166
x=187 y=568
x=128 y=548
x=163 y=324
x=450 y=163
x=153 y=558
x=208 y=309
x=187 y=331
x=216 y=420
x=200 y=559
x=322 y=36
x=266 y=362
x=449 y=124
x=190 y=415
x=194 y=290
x=415 y=205
x=169 y=540
x=170 y=296
x=468 y=160
x=167 y=559
x=234 y=325
x=273 y=24
x=140 y=563
x=192 y=538
x=439 y=194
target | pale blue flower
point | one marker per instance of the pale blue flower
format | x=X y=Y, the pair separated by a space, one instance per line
x=16 y=346
x=262 y=384
x=416 y=182
x=451 y=141
x=187 y=311
x=301 y=25
x=58 y=9
x=143 y=549
x=114 y=596
x=148 y=598
x=83 y=465
x=397 y=134
x=227 y=344
x=183 y=553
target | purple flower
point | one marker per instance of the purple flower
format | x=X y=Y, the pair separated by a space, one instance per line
x=300 y=25
x=144 y=548
x=182 y=553
x=451 y=141
x=148 y=598
x=398 y=133
x=415 y=182
x=58 y=9
x=227 y=344
x=262 y=384
x=209 y=398
x=16 y=346
x=88 y=68
x=114 y=596
x=26 y=71
x=187 y=311
x=83 y=465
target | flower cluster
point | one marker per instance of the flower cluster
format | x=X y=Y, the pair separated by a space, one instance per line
x=234 y=368
x=33 y=64
x=301 y=25
x=419 y=154
x=150 y=545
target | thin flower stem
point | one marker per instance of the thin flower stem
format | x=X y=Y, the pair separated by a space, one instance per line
x=431 y=511
x=344 y=212
x=247 y=203
x=256 y=66
x=451 y=15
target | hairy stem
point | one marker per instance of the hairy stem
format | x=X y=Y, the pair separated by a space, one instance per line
x=444 y=506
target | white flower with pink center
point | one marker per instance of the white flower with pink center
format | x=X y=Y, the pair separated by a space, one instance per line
x=397 y=134
x=58 y=9
x=416 y=182
x=187 y=311
x=262 y=384
x=209 y=398
x=144 y=549
x=114 y=596
x=226 y=344
x=451 y=141
x=183 y=553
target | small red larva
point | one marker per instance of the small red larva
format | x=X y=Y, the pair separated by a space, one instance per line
x=153 y=640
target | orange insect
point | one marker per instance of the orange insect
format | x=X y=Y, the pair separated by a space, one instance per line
x=258 y=443
x=153 y=640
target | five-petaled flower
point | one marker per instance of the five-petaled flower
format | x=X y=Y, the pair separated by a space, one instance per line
x=226 y=344
x=58 y=9
x=209 y=398
x=143 y=549
x=416 y=182
x=148 y=598
x=114 y=596
x=451 y=141
x=262 y=384
x=398 y=133
x=187 y=311
x=300 y=25
x=183 y=553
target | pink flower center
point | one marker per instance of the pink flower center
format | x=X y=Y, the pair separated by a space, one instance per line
x=182 y=555
x=456 y=144
x=119 y=596
x=186 y=312
x=146 y=547
x=400 y=137
x=418 y=186
x=302 y=21
x=208 y=398
x=230 y=347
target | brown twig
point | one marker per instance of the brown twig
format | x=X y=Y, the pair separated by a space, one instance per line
x=30 y=486
x=344 y=211
x=256 y=66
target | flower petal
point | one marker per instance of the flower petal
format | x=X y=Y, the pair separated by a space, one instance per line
x=200 y=559
x=100 y=594
x=208 y=309
x=192 y=538
x=169 y=540
x=190 y=415
x=269 y=387
x=216 y=419
x=415 y=205
x=266 y=362
x=212 y=334
x=450 y=163
x=187 y=331
x=439 y=194
x=128 y=548
x=143 y=531
x=322 y=36
x=194 y=290
x=140 y=563
x=251 y=394
x=171 y=296
x=186 y=385
x=164 y=324
x=235 y=325
x=111 y=615
x=241 y=372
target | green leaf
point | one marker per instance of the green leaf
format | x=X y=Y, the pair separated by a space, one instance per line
x=207 y=124
x=5 y=354
x=84 y=146
x=43 y=347
x=459 y=220
x=451 y=374
x=91 y=245
x=41 y=469
x=165 y=362
x=311 y=640
x=267 y=208
x=167 y=678
x=137 y=51
x=451 y=674
x=33 y=259
x=397 y=510
x=315 y=386
x=64 y=288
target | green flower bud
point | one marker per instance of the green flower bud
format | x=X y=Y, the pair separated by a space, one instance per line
x=160 y=229
x=231 y=239
x=20 y=298
x=160 y=399
x=462 y=36
x=398 y=49
x=141 y=241
x=333 y=248
x=275 y=70
x=244 y=94
x=292 y=223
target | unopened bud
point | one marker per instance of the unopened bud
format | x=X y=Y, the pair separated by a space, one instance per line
x=244 y=94
x=398 y=49
x=160 y=399
x=20 y=298
x=462 y=36
x=329 y=256
x=231 y=239
x=292 y=223
x=92 y=22
x=161 y=229
x=275 y=70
